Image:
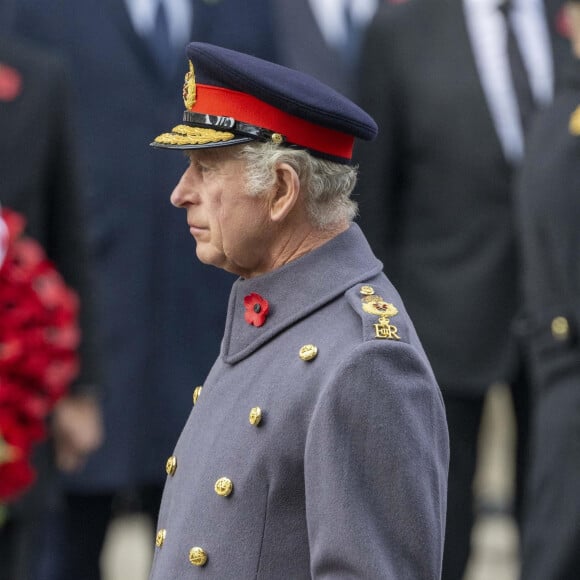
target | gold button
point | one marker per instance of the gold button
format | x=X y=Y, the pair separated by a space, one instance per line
x=224 y=486
x=255 y=416
x=277 y=138
x=196 y=394
x=171 y=465
x=197 y=556
x=308 y=352
x=160 y=538
x=367 y=290
x=560 y=328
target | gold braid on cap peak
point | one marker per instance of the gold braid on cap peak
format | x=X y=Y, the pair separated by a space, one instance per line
x=186 y=135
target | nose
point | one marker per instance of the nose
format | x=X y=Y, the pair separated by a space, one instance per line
x=184 y=190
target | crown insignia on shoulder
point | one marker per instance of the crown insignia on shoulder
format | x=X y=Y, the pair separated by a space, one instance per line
x=374 y=304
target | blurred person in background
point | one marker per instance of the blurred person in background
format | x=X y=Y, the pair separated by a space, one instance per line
x=548 y=196
x=323 y=38
x=453 y=86
x=126 y=57
x=39 y=180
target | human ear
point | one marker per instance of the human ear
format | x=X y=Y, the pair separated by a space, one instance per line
x=287 y=191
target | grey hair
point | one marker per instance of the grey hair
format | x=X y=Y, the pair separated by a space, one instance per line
x=327 y=185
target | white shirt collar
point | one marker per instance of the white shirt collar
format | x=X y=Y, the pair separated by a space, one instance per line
x=330 y=17
x=487 y=32
x=179 y=17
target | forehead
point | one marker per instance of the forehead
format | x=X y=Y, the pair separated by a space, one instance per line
x=214 y=154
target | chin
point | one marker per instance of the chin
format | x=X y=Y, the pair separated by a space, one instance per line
x=210 y=257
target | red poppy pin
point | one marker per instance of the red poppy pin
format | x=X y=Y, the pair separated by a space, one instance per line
x=10 y=83
x=562 y=24
x=257 y=309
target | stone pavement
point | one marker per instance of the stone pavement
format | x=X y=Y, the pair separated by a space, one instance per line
x=128 y=550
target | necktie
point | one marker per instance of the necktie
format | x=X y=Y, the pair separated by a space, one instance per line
x=352 y=40
x=519 y=74
x=160 y=40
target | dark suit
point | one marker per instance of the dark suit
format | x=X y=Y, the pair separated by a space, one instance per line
x=435 y=202
x=161 y=312
x=38 y=178
x=549 y=215
x=302 y=46
x=564 y=61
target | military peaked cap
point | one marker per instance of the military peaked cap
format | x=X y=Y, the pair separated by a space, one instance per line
x=232 y=98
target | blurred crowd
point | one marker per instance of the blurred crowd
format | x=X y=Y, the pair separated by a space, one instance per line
x=469 y=196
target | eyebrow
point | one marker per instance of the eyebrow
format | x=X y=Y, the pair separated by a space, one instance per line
x=211 y=154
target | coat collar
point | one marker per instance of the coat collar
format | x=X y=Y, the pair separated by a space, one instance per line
x=296 y=290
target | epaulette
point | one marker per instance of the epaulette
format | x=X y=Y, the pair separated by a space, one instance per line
x=379 y=313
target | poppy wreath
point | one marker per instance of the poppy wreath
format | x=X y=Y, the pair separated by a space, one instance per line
x=39 y=338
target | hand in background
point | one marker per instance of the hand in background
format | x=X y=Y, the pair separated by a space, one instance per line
x=77 y=431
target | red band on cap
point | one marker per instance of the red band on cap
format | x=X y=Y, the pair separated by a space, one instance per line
x=248 y=109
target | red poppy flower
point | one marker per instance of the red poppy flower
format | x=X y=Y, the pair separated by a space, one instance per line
x=15 y=477
x=39 y=337
x=257 y=309
x=10 y=83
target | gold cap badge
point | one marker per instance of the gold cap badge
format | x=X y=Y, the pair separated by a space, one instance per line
x=189 y=88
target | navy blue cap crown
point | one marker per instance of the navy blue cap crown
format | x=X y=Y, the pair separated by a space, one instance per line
x=231 y=97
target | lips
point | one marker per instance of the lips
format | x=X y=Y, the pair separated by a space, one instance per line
x=196 y=230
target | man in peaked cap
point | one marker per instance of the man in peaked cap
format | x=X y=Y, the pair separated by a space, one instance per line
x=317 y=447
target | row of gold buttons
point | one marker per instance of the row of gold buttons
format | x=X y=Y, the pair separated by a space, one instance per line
x=223 y=486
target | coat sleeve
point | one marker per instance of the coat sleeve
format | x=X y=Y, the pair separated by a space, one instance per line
x=376 y=464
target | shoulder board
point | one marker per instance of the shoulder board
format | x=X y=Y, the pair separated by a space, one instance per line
x=379 y=309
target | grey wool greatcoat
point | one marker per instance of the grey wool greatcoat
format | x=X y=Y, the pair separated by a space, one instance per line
x=345 y=476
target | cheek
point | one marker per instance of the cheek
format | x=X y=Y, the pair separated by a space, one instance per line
x=244 y=228
x=217 y=217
